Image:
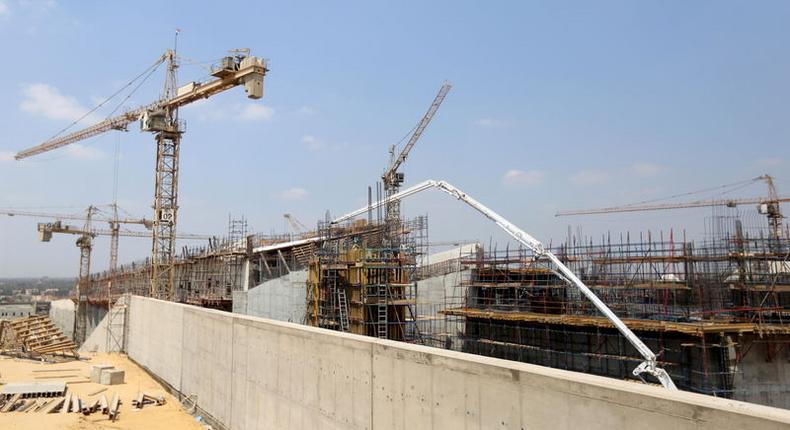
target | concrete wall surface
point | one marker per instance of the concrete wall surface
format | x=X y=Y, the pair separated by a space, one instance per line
x=282 y=299
x=254 y=373
x=97 y=340
x=61 y=312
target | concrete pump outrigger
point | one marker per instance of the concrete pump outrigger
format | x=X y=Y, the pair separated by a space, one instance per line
x=648 y=366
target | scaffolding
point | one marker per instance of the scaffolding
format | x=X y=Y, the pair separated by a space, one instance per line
x=204 y=275
x=704 y=306
x=363 y=281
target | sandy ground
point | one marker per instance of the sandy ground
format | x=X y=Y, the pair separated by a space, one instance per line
x=169 y=416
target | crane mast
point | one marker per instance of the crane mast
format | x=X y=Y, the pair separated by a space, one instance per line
x=393 y=179
x=161 y=119
x=84 y=242
x=85 y=245
x=168 y=140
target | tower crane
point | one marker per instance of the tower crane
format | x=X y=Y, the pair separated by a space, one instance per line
x=393 y=179
x=768 y=206
x=161 y=119
x=85 y=244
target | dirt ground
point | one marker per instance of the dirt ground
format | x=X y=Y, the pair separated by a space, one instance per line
x=168 y=416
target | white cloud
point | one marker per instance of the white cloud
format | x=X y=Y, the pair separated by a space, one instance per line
x=646 y=169
x=82 y=152
x=3 y=9
x=770 y=162
x=41 y=6
x=255 y=112
x=294 y=194
x=249 y=112
x=520 y=178
x=313 y=143
x=6 y=156
x=589 y=177
x=306 y=110
x=48 y=101
x=489 y=122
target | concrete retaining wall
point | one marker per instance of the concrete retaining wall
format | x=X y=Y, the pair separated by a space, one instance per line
x=253 y=373
x=62 y=313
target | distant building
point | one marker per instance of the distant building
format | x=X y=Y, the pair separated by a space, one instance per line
x=17 y=310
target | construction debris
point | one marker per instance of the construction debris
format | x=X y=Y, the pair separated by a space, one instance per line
x=53 y=405
x=35 y=337
x=114 y=405
x=148 y=399
x=66 y=404
x=112 y=377
x=33 y=389
x=105 y=408
x=96 y=371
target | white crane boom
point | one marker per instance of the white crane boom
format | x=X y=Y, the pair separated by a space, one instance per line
x=648 y=366
x=389 y=176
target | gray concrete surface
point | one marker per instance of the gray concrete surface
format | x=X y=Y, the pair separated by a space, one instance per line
x=97 y=338
x=254 y=373
x=762 y=377
x=282 y=299
x=61 y=312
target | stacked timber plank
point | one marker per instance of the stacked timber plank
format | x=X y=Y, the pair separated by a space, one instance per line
x=35 y=336
x=27 y=397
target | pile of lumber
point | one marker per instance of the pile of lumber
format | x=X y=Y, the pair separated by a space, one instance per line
x=32 y=402
x=34 y=337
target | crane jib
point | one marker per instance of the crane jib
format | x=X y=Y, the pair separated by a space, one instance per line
x=250 y=75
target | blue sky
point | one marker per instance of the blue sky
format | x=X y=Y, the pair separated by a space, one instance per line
x=555 y=105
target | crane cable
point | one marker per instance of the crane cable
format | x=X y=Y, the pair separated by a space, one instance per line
x=740 y=184
x=131 y=93
x=148 y=71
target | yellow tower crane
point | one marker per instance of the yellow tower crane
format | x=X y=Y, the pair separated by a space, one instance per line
x=161 y=119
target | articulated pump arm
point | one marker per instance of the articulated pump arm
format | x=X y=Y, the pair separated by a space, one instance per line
x=648 y=366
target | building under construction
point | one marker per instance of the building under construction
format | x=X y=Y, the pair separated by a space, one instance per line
x=362 y=281
x=715 y=311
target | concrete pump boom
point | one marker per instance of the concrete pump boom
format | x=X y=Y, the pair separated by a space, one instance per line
x=649 y=366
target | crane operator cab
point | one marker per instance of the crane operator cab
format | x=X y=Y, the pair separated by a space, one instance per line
x=155 y=120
